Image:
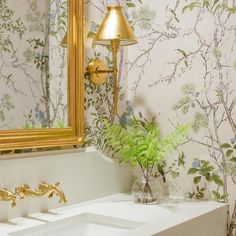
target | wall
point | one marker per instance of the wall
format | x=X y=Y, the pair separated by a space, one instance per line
x=83 y=175
x=183 y=70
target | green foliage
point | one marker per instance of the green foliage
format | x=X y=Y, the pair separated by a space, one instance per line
x=217 y=53
x=230 y=151
x=186 y=101
x=197 y=179
x=98 y=95
x=183 y=104
x=230 y=9
x=181 y=159
x=91 y=35
x=206 y=172
x=34 y=17
x=182 y=52
x=5 y=106
x=200 y=121
x=98 y=101
x=175 y=16
x=174 y=166
x=139 y=141
x=131 y=3
x=62 y=17
x=93 y=29
x=190 y=6
x=225 y=145
x=188 y=88
x=9 y=24
x=144 y=17
x=30 y=125
x=58 y=19
x=212 y=6
x=40 y=58
x=59 y=124
x=198 y=194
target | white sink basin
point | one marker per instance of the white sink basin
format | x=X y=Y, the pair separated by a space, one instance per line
x=86 y=224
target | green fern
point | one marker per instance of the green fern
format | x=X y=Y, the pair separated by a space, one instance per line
x=139 y=142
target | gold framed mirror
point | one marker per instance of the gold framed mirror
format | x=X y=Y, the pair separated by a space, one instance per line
x=73 y=133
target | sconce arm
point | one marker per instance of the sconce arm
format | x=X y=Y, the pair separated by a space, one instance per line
x=97 y=71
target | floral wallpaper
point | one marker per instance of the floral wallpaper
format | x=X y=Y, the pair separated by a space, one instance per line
x=33 y=64
x=183 y=70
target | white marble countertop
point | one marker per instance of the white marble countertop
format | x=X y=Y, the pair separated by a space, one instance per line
x=155 y=218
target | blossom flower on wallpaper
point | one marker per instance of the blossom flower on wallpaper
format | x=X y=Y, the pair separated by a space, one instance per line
x=233 y=140
x=196 y=163
x=127 y=114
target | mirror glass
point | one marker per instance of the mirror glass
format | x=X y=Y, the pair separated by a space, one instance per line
x=33 y=64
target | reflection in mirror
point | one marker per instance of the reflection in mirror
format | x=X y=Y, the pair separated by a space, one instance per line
x=33 y=64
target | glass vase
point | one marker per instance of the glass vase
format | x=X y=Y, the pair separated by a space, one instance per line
x=145 y=190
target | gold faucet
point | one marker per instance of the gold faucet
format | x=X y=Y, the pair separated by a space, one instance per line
x=7 y=195
x=43 y=189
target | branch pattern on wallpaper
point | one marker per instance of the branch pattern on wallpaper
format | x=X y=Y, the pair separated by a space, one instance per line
x=33 y=66
x=194 y=41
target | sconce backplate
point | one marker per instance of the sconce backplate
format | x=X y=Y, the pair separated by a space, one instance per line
x=97 y=70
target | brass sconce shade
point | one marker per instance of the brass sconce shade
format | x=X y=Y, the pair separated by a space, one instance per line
x=115 y=27
x=114 y=31
x=64 y=41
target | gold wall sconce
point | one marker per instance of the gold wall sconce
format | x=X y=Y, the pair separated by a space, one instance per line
x=114 y=31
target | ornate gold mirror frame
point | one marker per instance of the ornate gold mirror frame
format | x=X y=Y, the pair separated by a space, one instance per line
x=74 y=135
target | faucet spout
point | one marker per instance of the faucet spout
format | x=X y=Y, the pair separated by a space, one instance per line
x=51 y=190
x=7 y=195
x=43 y=189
